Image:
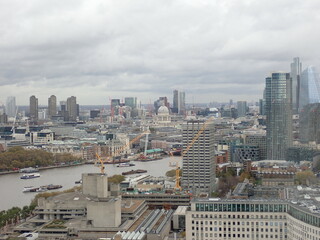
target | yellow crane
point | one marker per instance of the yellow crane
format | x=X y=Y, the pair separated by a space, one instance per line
x=100 y=162
x=177 y=175
x=195 y=138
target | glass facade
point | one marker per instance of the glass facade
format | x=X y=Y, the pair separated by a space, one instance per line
x=309 y=87
x=304 y=216
x=279 y=115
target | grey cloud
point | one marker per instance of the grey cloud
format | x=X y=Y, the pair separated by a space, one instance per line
x=149 y=48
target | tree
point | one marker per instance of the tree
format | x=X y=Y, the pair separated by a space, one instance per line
x=306 y=178
x=171 y=173
x=116 y=179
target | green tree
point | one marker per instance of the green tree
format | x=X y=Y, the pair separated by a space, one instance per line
x=306 y=178
x=116 y=179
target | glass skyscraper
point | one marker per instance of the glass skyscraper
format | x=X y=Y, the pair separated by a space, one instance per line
x=309 y=87
x=279 y=115
x=296 y=67
x=11 y=106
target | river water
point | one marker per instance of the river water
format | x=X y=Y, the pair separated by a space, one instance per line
x=11 y=185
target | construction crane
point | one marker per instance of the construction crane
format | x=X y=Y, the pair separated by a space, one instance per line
x=100 y=164
x=177 y=173
x=122 y=148
x=196 y=137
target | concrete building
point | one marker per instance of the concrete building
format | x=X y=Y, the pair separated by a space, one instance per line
x=52 y=106
x=44 y=137
x=198 y=167
x=242 y=108
x=182 y=103
x=3 y=118
x=279 y=115
x=72 y=108
x=11 y=107
x=97 y=211
x=33 y=108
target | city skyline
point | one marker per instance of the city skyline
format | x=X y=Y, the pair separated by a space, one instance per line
x=93 y=52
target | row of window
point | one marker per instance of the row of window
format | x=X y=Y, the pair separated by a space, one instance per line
x=243 y=236
x=233 y=216
x=236 y=207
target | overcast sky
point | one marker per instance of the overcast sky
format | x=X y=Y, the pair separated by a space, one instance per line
x=96 y=49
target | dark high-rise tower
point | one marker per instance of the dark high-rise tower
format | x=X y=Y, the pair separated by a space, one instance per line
x=33 y=108
x=279 y=115
x=175 y=107
x=295 y=77
x=52 y=106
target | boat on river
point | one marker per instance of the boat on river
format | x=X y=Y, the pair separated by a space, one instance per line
x=30 y=175
x=52 y=187
x=134 y=172
x=29 y=189
x=41 y=188
x=126 y=164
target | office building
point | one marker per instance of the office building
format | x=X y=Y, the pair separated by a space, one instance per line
x=310 y=124
x=278 y=115
x=94 y=113
x=72 y=108
x=11 y=107
x=33 y=108
x=310 y=87
x=260 y=141
x=245 y=152
x=198 y=167
x=242 y=108
x=115 y=103
x=131 y=102
x=3 y=118
x=52 y=106
x=246 y=219
x=182 y=103
x=295 y=77
x=175 y=107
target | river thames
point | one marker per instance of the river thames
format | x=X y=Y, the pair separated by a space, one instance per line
x=11 y=185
